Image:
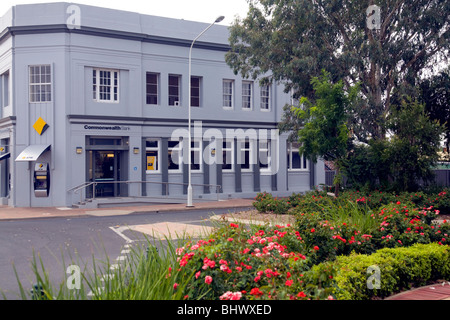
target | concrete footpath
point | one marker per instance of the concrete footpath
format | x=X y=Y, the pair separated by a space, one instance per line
x=8 y=213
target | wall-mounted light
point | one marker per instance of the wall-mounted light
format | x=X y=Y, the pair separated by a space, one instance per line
x=136 y=150
x=79 y=150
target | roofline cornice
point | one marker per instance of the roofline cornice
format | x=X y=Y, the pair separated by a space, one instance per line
x=108 y=33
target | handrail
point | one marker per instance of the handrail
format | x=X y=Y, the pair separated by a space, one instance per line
x=85 y=184
x=94 y=183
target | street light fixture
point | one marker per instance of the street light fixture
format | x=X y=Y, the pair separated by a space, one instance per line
x=189 y=190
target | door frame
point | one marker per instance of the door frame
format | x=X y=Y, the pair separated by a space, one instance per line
x=121 y=153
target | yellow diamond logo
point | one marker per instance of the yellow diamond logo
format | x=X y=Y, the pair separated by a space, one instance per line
x=40 y=126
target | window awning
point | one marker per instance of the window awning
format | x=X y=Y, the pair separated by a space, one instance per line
x=32 y=153
x=5 y=156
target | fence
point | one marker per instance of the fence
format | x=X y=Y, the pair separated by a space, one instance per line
x=329 y=177
x=442 y=178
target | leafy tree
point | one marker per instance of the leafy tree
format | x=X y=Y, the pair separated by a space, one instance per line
x=403 y=161
x=413 y=148
x=291 y=41
x=325 y=133
x=366 y=166
x=435 y=94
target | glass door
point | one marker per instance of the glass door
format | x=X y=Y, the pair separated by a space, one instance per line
x=106 y=166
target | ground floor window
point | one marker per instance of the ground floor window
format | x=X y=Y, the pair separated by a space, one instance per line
x=196 y=155
x=265 y=156
x=228 y=155
x=175 y=155
x=245 y=159
x=295 y=160
x=152 y=155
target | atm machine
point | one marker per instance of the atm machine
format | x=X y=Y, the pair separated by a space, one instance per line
x=41 y=180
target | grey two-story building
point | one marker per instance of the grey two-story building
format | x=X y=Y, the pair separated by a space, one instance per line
x=94 y=106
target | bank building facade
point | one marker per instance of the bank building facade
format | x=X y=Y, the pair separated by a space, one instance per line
x=96 y=113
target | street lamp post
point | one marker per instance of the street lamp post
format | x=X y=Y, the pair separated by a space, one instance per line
x=189 y=190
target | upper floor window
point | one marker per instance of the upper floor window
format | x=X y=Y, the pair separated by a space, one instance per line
x=105 y=85
x=228 y=93
x=265 y=97
x=152 y=83
x=4 y=89
x=174 y=90
x=247 y=95
x=40 y=83
x=195 y=91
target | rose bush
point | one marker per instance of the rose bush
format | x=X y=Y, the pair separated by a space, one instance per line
x=398 y=225
x=240 y=263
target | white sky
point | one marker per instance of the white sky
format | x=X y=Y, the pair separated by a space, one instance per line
x=196 y=10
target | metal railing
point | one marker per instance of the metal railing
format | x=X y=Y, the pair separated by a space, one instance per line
x=94 y=184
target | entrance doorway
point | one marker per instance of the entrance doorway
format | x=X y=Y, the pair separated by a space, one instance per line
x=106 y=162
x=106 y=173
x=5 y=174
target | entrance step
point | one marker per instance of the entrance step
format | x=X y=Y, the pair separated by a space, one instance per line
x=132 y=201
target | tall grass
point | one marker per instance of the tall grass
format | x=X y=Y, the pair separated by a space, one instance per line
x=343 y=210
x=146 y=274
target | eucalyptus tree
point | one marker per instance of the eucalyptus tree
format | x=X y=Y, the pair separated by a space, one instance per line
x=382 y=44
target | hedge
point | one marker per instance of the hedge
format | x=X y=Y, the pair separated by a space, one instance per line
x=400 y=269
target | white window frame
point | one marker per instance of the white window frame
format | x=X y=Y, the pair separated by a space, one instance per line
x=156 y=149
x=243 y=149
x=199 y=150
x=268 y=151
x=200 y=80
x=178 y=148
x=114 y=88
x=157 y=75
x=247 y=94
x=266 y=97
x=295 y=149
x=176 y=103
x=4 y=90
x=228 y=151
x=226 y=95
x=41 y=84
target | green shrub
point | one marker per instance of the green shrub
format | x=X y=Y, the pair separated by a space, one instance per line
x=313 y=201
x=400 y=269
x=266 y=203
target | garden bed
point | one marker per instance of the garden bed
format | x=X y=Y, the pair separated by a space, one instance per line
x=299 y=248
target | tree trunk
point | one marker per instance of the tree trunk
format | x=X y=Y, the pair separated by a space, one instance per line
x=337 y=183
